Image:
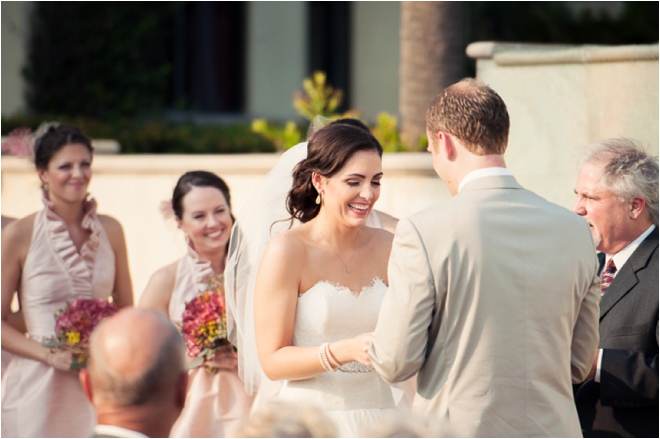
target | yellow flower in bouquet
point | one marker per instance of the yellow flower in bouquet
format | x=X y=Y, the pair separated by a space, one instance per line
x=74 y=326
x=204 y=324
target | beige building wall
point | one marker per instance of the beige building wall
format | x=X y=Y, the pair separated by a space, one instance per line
x=560 y=99
x=14 y=45
x=375 y=57
x=276 y=57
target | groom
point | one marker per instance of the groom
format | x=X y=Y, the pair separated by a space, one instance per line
x=493 y=294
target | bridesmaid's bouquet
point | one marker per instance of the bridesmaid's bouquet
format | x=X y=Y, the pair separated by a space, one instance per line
x=204 y=324
x=74 y=326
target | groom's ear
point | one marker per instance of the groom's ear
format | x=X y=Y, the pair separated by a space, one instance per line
x=446 y=145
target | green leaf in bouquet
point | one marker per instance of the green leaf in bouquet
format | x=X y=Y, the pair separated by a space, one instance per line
x=196 y=362
x=79 y=362
x=51 y=344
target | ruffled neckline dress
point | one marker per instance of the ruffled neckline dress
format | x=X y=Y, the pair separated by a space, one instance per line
x=215 y=403
x=38 y=400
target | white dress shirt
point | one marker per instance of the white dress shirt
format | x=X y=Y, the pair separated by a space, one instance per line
x=482 y=173
x=114 y=431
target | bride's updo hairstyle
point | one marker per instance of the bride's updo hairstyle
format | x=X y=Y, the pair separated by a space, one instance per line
x=327 y=152
x=56 y=138
x=198 y=179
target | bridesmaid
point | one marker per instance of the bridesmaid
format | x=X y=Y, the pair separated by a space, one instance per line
x=216 y=403
x=60 y=253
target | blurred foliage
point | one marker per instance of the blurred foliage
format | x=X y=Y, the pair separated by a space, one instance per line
x=318 y=103
x=156 y=136
x=318 y=99
x=562 y=23
x=387 y=133
x=283 y=137
x=98 y=59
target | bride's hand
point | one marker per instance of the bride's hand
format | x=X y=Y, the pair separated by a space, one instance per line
x=225 y=358
x=361 y=344
x=60 y=360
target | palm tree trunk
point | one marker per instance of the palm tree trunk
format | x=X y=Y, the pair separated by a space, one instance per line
x=432 y=57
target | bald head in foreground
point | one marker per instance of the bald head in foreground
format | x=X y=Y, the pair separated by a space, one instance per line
x=136 y=376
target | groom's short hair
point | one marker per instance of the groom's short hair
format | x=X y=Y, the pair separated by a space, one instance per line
x=471 y=111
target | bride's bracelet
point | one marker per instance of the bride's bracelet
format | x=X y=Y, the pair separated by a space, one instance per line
x=323 y=357
x=333 y=361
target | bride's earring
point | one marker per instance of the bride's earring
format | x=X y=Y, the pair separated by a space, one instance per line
x=318 y=198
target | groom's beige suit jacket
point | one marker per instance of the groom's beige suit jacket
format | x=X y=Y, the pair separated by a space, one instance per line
x=493 y=301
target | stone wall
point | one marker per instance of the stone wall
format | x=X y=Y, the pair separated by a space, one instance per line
x=131 y=188
x=561 y=98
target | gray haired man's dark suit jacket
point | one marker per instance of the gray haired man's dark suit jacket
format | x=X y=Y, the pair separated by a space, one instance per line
x=625 y=403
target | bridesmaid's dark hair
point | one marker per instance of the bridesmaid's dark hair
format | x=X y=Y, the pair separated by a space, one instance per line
x=327 y=152
x=56 y=138
x=197 y=179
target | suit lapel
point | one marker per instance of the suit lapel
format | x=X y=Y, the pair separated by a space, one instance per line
x=626 y=279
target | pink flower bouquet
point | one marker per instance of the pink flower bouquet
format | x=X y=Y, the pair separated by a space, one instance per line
x=204 y=324
x=74 y=326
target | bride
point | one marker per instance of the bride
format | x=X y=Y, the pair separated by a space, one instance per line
x=319 y=285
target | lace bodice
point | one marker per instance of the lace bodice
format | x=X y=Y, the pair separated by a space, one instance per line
x=327 y=313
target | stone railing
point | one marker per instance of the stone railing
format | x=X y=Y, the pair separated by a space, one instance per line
x=131 y=188
x=562 y=98
x=559 y=98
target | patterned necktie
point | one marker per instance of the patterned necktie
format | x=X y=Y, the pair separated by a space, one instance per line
x=607 y=276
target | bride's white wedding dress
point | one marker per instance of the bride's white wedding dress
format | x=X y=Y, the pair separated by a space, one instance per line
x=355 y=396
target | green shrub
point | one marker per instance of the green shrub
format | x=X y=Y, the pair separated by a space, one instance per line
x=318 y=104
x=157 y=136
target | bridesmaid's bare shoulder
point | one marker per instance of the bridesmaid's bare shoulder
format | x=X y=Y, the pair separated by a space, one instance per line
x=19 y=232
x=158 y=291
x=17 y=238
x=112 y=227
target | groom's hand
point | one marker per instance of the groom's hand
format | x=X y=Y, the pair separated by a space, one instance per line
x=352 y=349
x=364 y=342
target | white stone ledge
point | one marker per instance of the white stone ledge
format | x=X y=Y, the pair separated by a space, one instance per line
x=513 y=54
x=223 y=164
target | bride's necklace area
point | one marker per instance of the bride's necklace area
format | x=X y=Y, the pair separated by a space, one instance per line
x=350 y=261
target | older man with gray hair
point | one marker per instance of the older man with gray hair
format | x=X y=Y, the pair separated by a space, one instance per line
x=136 y=376
x=617 y=194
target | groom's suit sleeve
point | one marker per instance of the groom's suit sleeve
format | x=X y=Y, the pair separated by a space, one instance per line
x=401 y=335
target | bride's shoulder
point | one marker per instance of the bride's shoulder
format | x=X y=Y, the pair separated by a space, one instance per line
x=287 y=244
x=381 y=237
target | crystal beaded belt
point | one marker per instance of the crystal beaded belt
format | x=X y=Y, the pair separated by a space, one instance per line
x=355 y=367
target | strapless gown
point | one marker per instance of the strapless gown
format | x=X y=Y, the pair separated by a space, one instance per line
x=354 y=397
